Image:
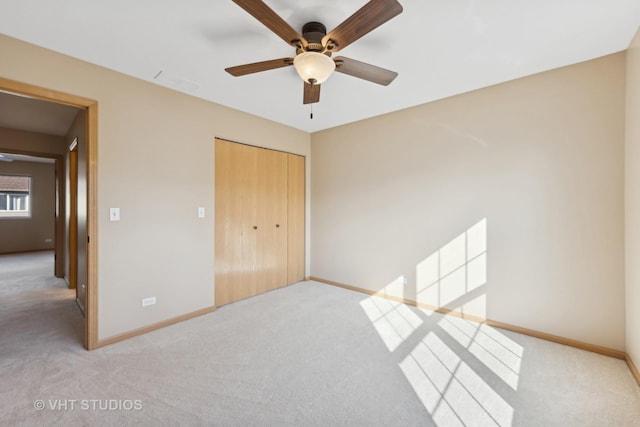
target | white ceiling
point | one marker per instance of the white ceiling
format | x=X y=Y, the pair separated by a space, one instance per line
x=439 y=48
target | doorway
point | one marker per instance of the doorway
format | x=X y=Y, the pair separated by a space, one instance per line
x=89 y=258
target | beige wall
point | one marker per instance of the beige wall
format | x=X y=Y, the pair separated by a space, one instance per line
x=32 y=142
x=632 y=196
x=31 y=234
x=505 y=202
x=155 y=162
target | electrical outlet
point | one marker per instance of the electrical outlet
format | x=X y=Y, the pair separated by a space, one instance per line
x=148 y=301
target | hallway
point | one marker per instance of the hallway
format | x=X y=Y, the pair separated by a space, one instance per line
x=35 y=306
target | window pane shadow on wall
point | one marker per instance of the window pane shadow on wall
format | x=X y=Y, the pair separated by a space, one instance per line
x=453 y=277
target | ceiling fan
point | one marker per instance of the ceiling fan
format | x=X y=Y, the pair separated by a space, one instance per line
x=315 y=46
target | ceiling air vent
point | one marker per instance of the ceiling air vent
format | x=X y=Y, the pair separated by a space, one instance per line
x=175 y=82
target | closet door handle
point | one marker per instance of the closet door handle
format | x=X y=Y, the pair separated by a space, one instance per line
x=255 y=227
x=277 y=225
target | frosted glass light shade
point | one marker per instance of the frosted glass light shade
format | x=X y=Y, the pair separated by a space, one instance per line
x=314 y=67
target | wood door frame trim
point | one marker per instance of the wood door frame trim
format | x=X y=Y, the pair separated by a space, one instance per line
x=91 y=106
x=72 y=231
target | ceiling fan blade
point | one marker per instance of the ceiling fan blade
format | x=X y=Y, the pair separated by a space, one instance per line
x=368 y=18
x=257 y=67
x=365 y=71
x=311 y=94
x=271 y=20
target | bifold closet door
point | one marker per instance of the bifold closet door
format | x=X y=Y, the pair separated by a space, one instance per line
x=236 y=220
x=272 y=220
x=295 y=218
x=259 y=220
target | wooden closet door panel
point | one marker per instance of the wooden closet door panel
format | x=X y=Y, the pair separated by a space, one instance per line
x=226 y=251
x=272 y=216
x=235 y=241
x=248 y=165
x=296 y=219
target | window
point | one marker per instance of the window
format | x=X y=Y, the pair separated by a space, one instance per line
x=15 y=200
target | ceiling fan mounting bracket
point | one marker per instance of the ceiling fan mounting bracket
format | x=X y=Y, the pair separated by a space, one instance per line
x=314 y=31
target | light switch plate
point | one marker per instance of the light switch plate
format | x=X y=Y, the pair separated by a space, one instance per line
x=200 y=212
x=114 y=214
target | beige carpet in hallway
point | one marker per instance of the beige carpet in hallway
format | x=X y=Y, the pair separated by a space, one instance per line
x=305 y=355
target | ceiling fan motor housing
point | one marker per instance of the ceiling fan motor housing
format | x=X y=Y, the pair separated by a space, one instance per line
x=313 y=32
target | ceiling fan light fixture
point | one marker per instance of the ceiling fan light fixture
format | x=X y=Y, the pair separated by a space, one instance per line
x=314 y=67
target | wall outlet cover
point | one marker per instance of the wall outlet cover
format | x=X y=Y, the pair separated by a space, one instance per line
x=148 y=301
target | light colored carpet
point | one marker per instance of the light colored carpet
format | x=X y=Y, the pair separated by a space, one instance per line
x=305 y=355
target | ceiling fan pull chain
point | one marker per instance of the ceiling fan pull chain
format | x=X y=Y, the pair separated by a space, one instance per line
x=311 y=115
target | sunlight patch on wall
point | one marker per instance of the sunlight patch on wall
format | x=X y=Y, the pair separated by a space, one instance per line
x=496 y=351
x=450 y=390
x=393 y=321
x=445 y=278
